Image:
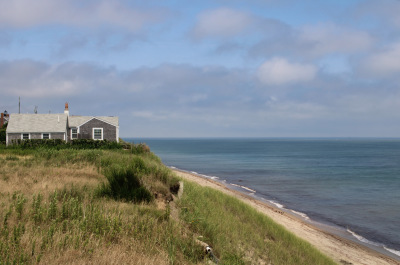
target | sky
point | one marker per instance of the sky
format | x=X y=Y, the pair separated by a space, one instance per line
x=221 y=68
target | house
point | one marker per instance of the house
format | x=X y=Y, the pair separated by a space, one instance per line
x=36 y=126
x=61 y=126
x=97 y=128
x=3 y=118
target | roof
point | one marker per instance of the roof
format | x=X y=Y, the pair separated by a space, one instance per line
x=37 y=123
x=76 y=121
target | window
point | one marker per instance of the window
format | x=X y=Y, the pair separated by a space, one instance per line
x=98 y=133
x=25 y=136
x=74 y=133
x=45 y=135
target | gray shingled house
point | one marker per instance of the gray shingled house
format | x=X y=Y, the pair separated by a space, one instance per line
x=36 y=126
x=61 y=126
x=97 y=128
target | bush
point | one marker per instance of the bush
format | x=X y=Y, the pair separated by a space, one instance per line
x=125 y=183
x=3 y=133
x=61 y=144
x=94 y=144
x=140 y=148
x=36 y=143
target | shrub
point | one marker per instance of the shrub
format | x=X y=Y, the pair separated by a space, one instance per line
x=61 y=144
x=36 y=143
x=124 y=183
x=94 y=144
x=140 y=148
x=2 y=136
x=3 y=133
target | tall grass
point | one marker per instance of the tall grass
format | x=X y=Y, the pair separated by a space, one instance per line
x=238 y=233
x=51 y=212
x=71 y=224
x=66 y=222
x=125 y=183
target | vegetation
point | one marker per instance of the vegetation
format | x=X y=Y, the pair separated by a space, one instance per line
x=61 y=144
x=239 y=234
x=3 y=133
x=118 y=206
x=125 y=182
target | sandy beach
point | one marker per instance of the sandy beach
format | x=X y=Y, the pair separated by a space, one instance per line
x=341 y=250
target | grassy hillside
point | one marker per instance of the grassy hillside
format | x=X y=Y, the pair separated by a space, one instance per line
x=72 y=206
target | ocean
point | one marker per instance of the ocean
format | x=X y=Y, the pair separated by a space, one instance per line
x=348 y=184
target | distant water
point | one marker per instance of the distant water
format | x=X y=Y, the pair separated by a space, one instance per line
x=350 y=183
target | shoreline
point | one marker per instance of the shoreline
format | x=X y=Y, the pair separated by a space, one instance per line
x=338 y=247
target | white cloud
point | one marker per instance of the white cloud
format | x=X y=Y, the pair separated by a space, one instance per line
x=222 y=22
x=313 y=41
x=383 y=63
x=26 y=13
x=150 y=115
x=278 y=71
x=40 y=80
x=328 y=38
x=186 y=100
x=380 y=11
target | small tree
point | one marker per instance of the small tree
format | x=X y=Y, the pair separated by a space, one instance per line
x=3 y=133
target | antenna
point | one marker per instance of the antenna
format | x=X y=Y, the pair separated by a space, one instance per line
x=19 y=105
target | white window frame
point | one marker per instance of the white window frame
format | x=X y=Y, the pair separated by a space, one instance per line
x=48 y=134
x=72 y=138
x=22 y=136
x=102 y=134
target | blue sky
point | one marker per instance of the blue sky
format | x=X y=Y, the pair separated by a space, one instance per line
x=208 y=68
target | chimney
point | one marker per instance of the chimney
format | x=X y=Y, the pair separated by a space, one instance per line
x=1 y=120
x=66 y=111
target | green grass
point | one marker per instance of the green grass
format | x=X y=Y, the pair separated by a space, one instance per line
x=76 y=206
x=70 y=219
x=238 y=233
x=125 y=182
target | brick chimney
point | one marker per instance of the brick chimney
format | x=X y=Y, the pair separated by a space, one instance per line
x=2 y=120
x=66 y=111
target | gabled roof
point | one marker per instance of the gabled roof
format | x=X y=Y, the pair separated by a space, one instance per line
x=37 y=123
x=76 y=121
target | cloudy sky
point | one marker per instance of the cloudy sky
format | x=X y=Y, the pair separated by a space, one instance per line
x=221 y=68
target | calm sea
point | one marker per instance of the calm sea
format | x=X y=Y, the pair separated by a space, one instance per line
x=349 y=183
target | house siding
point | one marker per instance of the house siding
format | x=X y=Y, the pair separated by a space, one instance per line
x=86 y=130
x=58 y=126
x=36 y=136
x=57 y=136
x=17 y=136
x=12 y=137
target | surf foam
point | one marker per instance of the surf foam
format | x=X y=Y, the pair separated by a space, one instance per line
x=277 y=204
x=396 y=252
x=305 y=216
x=243 y=187
x=362 y=239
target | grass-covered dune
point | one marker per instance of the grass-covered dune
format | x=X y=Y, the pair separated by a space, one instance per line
x=121 y=207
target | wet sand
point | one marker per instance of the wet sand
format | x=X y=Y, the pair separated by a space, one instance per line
x=340 y=249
